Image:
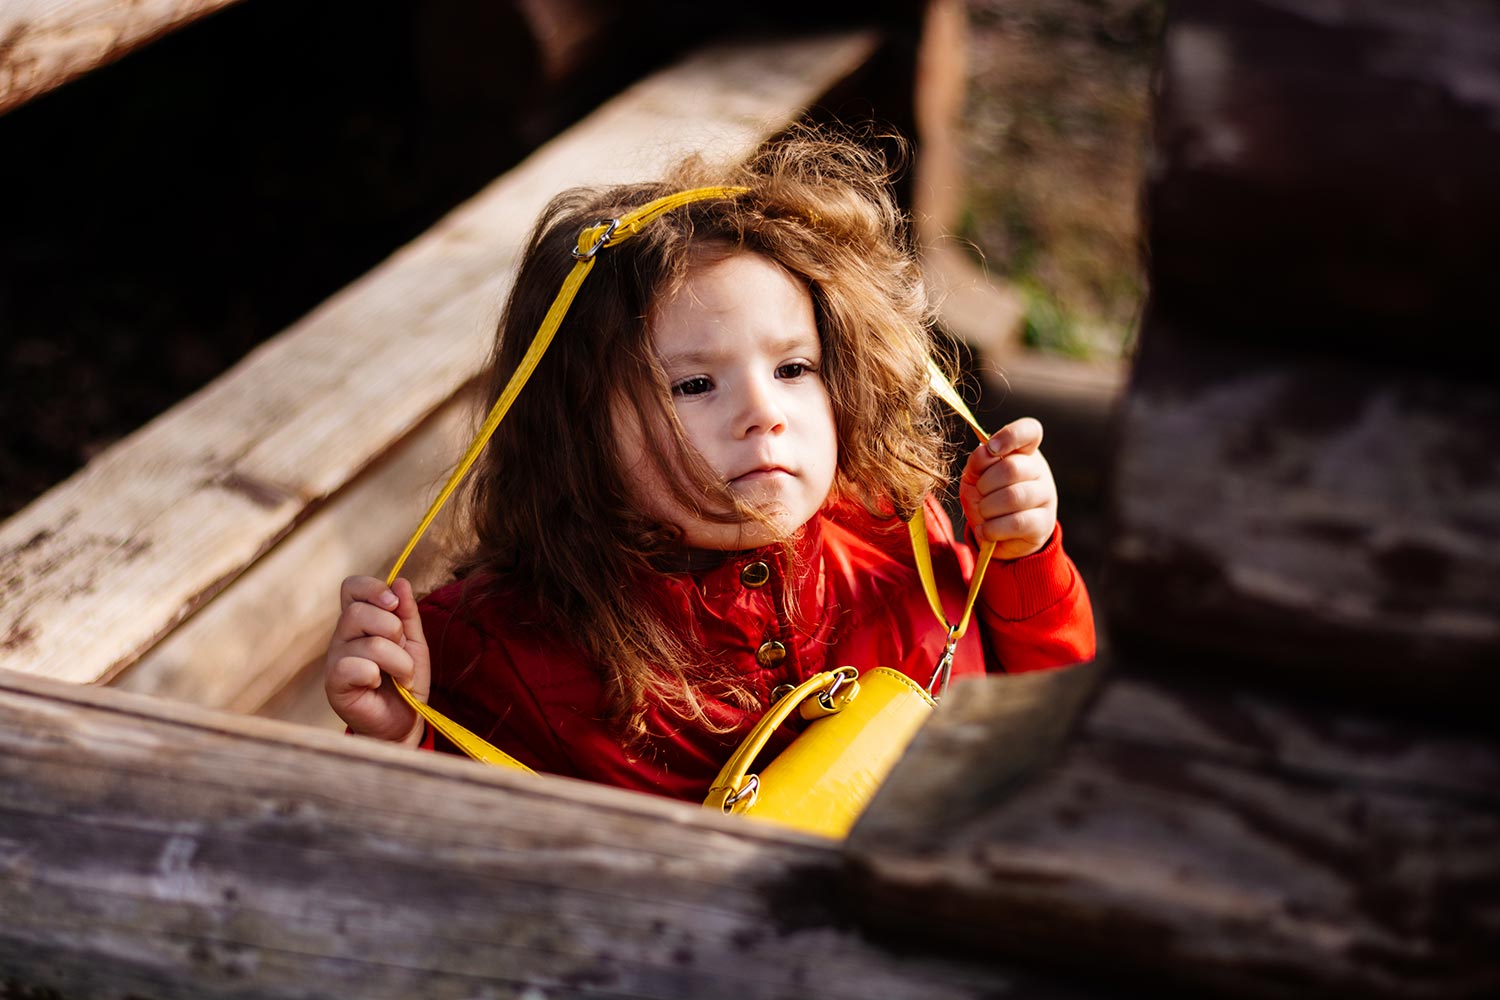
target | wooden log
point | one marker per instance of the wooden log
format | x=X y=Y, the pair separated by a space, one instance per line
x=101 y=567
x=1324 y=176
x=152 y=849
x=1220 y=841
x=1320 y=523
x=46 y=43
x=1308 y=470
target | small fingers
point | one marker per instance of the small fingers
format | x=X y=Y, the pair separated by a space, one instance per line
x=361 y=619
x=385 y=654
x=369 y=589
x=1015 y=468
x=348 y=675
x=1035 y=523
x=1023 y=435
x=407 y=611
x=1014 y=498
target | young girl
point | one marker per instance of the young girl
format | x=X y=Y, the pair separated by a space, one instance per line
x=699 y=498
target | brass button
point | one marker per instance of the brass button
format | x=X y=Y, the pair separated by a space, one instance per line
x=755 y=574
x=770 y=653
x=780 y=691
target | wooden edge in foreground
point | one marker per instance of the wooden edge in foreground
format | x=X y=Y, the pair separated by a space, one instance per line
x=101 y=567
x=161 y=850
x=1195 y=836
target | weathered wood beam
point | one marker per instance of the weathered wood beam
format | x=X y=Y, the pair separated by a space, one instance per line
x=46 y=43
x=1278 y=212
x=1308 y=462
x=254 y=638
x=1330 y=524
x=1221 y=841
x=104 y=565
x=152 y=849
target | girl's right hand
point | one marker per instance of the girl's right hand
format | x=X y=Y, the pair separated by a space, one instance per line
x=378 y=632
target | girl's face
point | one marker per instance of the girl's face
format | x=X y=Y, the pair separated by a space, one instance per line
x=739 y=343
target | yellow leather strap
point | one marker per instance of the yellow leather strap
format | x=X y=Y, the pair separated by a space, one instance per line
x=918 y=524
x=590 y=241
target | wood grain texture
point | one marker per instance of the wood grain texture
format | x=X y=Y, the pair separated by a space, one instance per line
x=45 y=43
x=1215 y=840
x=245 y=645
x=101 y=567
x=151 y=849
x=1331 y=524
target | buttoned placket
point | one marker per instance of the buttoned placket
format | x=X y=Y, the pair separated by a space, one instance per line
x=777 y=652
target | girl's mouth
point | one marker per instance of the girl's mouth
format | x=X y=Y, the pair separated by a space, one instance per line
x=759 y=475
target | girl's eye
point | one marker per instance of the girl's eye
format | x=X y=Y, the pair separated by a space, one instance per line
x=695 y=386
x=793 y=369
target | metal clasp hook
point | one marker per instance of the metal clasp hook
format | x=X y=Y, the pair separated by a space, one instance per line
x=841 y=676
x=944 y=667
x=750 y=790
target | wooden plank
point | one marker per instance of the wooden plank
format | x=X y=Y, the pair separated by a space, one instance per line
x=102 y=566
x=151 y=849
x=1226 y=842
x=1329 y=524
x=1278 y=214
x=1013 y=724
x=225 y=656
x=46 y=43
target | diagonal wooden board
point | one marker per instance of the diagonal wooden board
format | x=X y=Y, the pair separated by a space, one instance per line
x=46 y=43
x=99 y=568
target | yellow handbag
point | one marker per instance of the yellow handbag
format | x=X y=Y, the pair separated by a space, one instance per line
x=822 y=782
x=862 y=723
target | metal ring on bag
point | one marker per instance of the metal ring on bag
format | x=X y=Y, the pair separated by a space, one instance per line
x=751 y=789
x=841 y=676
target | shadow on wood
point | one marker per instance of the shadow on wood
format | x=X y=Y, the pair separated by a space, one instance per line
x=1195 y=835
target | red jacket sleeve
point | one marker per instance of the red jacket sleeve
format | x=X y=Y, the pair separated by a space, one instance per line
x=1035 y=611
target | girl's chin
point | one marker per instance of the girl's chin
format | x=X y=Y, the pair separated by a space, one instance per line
x=745 y=535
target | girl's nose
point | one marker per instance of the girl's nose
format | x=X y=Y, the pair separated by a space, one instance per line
x=761 y=411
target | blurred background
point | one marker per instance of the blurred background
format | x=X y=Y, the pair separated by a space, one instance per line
x=174 y=208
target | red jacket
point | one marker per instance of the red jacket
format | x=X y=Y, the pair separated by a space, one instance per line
x=533 y=694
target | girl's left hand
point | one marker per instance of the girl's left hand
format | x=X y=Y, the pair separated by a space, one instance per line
x=1007 y=491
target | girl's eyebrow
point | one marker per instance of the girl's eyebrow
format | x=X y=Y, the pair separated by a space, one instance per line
x=694 y=358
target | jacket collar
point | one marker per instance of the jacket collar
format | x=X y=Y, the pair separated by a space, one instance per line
x=721 y=575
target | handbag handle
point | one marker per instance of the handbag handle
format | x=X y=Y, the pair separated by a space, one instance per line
x=734 y=790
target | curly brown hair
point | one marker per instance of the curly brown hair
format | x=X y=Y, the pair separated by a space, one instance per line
x=551 y=510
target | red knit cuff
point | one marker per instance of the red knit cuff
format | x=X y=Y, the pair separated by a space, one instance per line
x=1022 y=588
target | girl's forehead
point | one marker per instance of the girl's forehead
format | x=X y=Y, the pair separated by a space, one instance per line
x=742 y=300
